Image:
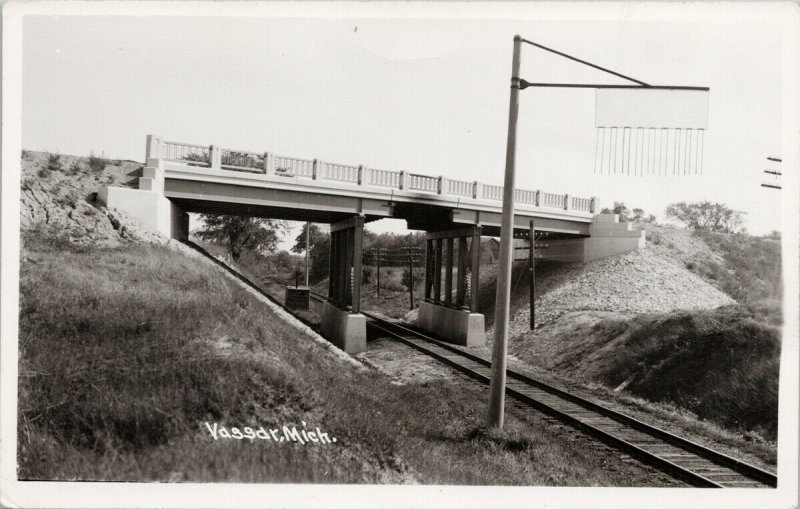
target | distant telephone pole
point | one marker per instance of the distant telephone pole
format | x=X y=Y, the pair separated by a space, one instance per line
x=308 y=243
x=775 y=184
x=413 y=254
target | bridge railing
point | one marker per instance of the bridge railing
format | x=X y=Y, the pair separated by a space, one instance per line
x=553 y=200
x=384 y=178
x=292 y=167
x=460 y=187
x=194 y=155
x=418 y=182
x=242 y=161
x=271 y=164
x=340 y=172
x=492 y=192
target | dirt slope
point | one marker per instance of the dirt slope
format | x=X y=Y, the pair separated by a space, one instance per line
x=57 y=198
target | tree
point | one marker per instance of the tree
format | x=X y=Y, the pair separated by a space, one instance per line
x=640 y=216
x=713 y=217
x=320 y=255
x=240 y=232
x=621 y=209
x=300 y=241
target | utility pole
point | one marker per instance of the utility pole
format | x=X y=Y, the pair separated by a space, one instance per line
x=378 y=271
x=410 y=280
x=308 y=243
x=503 y=297
x=532 y=256
x=413 y=256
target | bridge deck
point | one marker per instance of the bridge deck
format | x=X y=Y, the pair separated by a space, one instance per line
x=213 y=180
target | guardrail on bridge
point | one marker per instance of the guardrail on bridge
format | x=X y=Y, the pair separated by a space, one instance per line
x=218 y=158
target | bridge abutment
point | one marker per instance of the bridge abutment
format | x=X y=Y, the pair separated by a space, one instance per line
x=607 y=237
x=148 y=205
x=451 y=312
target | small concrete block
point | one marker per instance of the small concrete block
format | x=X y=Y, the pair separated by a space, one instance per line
x=455 y=326
x=150 y=184
x=606 y=218
x=153 y=173
x=346 y=330
x=297 y=297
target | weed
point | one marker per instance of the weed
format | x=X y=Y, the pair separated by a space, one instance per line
x=53 y=165
x=125 y=353
x=97 y=163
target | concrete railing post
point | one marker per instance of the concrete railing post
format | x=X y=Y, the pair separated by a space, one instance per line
x=362 y=173
x=477 y=189
x=316 y=170
x=442 y=188
x=537 y=198
x=566 y=202
x=269 y=163
x=402 y=180
x=593 y=204
x=153 y=149
x=214 y=157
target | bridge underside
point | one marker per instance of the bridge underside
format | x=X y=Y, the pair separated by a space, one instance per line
x=214 y=198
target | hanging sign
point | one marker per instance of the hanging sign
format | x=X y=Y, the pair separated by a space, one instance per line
x=650 y=131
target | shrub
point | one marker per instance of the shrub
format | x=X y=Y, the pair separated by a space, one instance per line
x=75 y=168
x=654 y=237
x=407 y=282
x=53 y=164
x=97 y=163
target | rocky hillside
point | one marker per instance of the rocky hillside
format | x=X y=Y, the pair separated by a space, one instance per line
x=57 y=197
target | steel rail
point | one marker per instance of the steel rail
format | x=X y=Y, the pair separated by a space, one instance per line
x=519 y=383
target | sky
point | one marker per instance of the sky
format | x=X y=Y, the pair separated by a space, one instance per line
x=422 y=95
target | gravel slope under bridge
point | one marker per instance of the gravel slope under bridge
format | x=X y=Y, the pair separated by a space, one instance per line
x=644 y=281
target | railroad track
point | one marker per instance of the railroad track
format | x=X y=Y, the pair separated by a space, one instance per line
x=686 y=460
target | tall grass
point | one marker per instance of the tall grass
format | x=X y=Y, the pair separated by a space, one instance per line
x=721 y=364
x=124 y=353
x=751 y=274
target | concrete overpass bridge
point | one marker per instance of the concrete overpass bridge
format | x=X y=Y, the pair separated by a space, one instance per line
x=179 y=178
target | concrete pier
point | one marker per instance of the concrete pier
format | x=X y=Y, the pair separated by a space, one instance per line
x=457 y=326
x=346 y=330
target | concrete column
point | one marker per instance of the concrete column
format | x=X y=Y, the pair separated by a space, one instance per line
x=477 y=189
x=153 y=150
x=152 y=179
x=215 y=157
x=316 y=171
x=269 y=163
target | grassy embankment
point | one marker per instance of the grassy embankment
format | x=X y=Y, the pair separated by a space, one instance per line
x=126 y=352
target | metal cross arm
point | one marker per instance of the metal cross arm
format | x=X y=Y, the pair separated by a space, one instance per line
x=525 y=84
x=522 y=84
